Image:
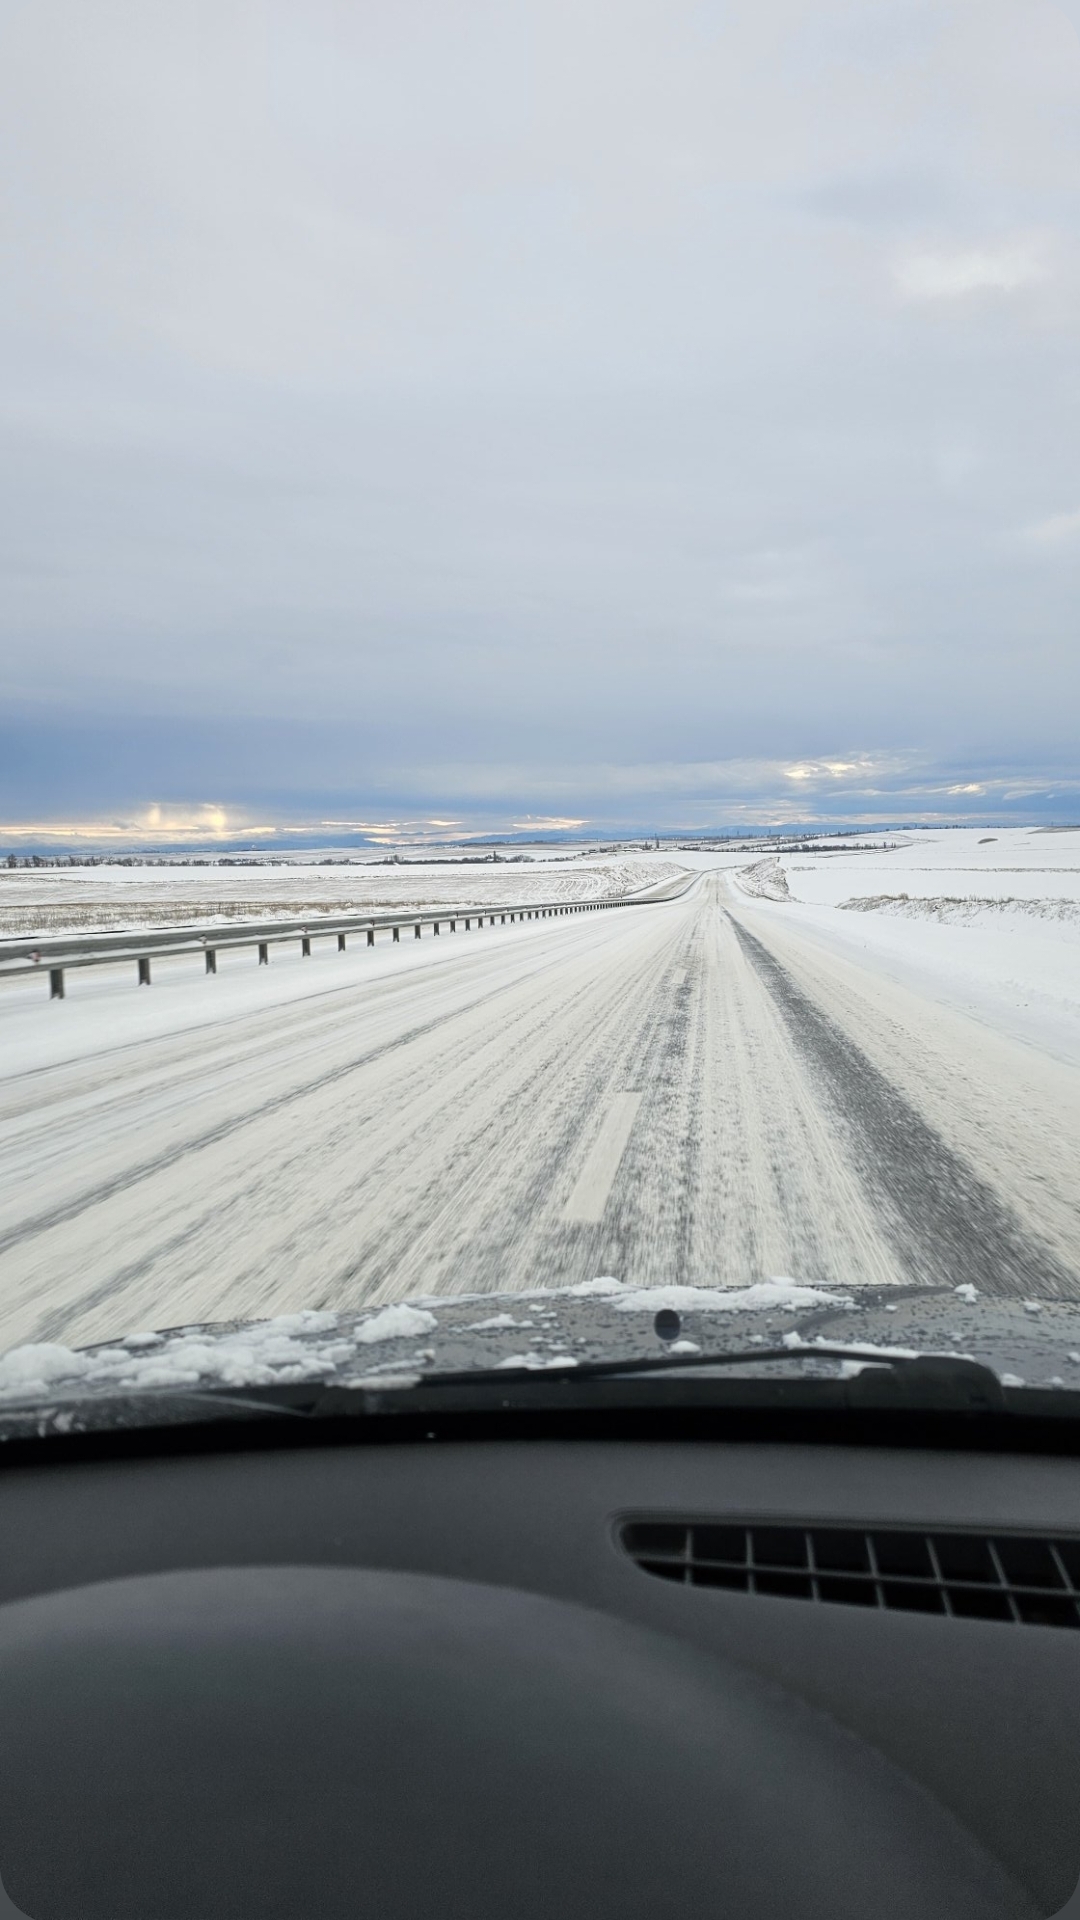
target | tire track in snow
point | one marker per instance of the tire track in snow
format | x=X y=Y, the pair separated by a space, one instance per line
x=368 y=1175
x=947 y=1225
x=212 y=1136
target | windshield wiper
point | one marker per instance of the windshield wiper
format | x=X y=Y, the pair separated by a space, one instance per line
x=883 y=1380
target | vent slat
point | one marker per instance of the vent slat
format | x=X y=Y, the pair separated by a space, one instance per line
x=1017 y=1578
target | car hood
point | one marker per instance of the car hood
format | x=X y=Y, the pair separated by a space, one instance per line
x=1030 y=1343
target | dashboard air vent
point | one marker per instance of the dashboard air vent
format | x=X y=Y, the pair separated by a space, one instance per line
x=977 y=1576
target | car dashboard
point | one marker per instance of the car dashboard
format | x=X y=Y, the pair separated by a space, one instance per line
x=529 y=1676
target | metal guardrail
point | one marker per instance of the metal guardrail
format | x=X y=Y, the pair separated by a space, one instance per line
x=57 y=957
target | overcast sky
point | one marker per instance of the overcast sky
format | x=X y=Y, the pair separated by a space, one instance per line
x=634 y=411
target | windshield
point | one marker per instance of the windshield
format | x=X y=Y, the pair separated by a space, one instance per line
x=539 y=814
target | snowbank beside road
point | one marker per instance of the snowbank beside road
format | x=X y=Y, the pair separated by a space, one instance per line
x=989 y=923
x=764 y=880
x=964 y=909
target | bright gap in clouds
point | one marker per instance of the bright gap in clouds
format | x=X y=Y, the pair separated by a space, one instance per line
x=563 y=413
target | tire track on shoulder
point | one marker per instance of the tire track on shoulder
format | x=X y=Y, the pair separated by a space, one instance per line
x=946 y=1224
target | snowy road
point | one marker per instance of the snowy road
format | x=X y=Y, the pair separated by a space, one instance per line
x=692 y=1091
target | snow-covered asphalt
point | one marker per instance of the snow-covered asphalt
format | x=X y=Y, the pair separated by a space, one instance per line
x=691 y=1091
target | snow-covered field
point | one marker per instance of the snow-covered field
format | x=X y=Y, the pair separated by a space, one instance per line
x=49 y=900
x=985 y=919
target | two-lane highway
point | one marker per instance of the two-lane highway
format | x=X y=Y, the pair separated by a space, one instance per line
x=680 y=1092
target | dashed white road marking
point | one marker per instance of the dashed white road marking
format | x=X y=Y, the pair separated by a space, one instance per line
x=594 y=1183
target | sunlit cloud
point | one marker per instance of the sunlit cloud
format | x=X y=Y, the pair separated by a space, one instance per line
x=154 y=824
x=388 y=832
x=894 y=787
x=553 y=823
x=826 y=769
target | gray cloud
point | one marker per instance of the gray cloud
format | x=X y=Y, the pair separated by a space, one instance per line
x=451 y=393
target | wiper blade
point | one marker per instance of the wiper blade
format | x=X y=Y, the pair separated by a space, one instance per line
x=883 y=1378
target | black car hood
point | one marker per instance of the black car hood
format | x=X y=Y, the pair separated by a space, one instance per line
x=1025 y=1343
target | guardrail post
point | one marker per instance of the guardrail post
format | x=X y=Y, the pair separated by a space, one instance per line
x=396 y=931
x=341 y=943
x=371 y=936
x=144 y=970
x=305 y=945
x=468 y=924
x=453 y=926
x=418 y=930
x=435 y=929
x=211 y=960
x=264 y=954
x=56 y=983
